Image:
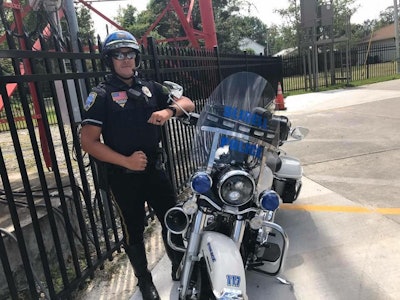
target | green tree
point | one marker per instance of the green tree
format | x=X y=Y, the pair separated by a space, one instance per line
x=127 y=16
x=292 y=32
x=232 y=26
x=364 y=30
x=386 y=17
x=85 y=22
x=275 y=40
x=138 y=23
x=235 y=28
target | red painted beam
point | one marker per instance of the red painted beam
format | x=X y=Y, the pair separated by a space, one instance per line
x=88 y=5
x=207 y=17
x=186 y=26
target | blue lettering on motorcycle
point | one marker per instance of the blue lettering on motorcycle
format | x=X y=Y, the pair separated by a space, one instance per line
x=246 y=117
x=242 y=147
x=211 y=252
x=233 y=280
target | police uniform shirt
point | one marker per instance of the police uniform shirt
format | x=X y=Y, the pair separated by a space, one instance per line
x=122 y=113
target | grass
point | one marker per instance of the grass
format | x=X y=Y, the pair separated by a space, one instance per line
x=354 y=83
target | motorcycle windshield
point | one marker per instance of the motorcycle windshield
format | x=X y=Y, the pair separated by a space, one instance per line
x=237 y=123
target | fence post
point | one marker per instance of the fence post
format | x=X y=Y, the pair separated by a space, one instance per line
x=216 y=51
x=152 y=49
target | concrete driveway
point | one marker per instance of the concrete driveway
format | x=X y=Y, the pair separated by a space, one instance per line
x=344 y=228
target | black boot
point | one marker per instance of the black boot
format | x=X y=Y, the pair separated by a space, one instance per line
x=137 y=257
x=174 y=256
x=146 y=286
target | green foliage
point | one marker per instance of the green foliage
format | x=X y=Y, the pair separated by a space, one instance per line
x=386 y=17
x=85 y=22
x=126 y=17
x=234 y=28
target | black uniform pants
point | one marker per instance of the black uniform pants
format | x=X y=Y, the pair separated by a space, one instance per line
x=132 y=190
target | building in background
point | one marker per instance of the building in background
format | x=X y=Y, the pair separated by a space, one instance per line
x=246 y=44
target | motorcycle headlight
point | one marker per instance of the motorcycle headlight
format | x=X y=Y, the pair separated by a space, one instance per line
x=236 y=187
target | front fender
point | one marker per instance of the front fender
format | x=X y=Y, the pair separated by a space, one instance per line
x=224 y=264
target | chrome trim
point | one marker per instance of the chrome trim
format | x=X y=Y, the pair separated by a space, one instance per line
x=230 y=174
x=285 y=247
x=228 y=294
x=229 y=209
x=192 y=253
x=238 y=232
x=172 y=210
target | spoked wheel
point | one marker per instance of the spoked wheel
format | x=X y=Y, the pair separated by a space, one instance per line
x=200 y=284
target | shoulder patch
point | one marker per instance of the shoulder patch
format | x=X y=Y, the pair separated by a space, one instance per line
x=90 y=100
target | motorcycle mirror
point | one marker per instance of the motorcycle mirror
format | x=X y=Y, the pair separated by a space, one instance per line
x=299 y=133
x=190 y=119
x=175 y=89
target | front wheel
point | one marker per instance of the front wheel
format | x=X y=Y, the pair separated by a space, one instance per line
x=199 y=287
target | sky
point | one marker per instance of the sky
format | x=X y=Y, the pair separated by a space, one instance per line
x=263 y=9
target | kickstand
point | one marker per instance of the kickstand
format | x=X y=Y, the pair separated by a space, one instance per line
x=284 y=281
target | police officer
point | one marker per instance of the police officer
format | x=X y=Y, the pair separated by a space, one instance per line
x=127 y=113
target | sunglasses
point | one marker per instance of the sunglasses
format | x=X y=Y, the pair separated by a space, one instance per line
x=124 y=55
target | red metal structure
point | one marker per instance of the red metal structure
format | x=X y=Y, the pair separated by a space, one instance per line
x=25 y=68
x=208 y=34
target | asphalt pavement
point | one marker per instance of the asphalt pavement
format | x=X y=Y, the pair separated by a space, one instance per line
x=344 y=229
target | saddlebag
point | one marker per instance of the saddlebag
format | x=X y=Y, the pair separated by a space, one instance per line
x=288 y=189
x=287 y=180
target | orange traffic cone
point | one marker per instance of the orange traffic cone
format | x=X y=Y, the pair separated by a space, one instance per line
x=279 y=101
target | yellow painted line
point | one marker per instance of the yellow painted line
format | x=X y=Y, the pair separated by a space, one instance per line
x=340 y=208
x=388 y=211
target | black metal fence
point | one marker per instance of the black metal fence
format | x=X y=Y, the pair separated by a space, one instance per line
x=356 y=64
x=57 y=223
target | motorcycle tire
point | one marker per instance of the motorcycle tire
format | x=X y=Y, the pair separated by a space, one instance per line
x=200 y=283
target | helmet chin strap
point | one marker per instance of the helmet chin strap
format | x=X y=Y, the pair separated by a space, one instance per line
x=134 y=73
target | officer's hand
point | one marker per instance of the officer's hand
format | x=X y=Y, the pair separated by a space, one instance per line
x=160 y=117
x=137 y=161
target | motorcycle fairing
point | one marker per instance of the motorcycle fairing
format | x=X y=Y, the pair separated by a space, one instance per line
x=238 y=116
x=224 y=264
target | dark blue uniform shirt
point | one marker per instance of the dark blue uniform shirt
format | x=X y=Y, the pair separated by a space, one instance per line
x=122 y=112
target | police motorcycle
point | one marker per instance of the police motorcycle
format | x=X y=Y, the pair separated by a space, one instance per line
x=228 y=219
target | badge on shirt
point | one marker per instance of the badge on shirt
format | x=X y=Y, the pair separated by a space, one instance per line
x=146 y=91
x=90 y=100
x=120 y=97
